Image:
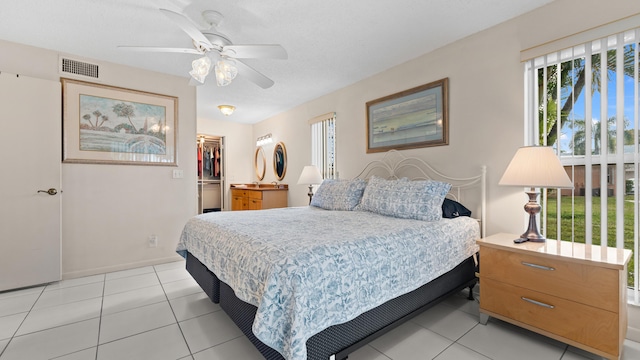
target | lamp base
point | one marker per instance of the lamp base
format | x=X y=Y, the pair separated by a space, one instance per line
x=532 y=208
x=310 y=193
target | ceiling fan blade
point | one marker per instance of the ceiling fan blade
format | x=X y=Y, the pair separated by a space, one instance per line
x=253 y=75
x=272 y=51
x=160 y=49
x=188 y=27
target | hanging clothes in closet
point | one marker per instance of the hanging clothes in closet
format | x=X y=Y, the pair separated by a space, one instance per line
x=199 y=160
x=216 y=161
x=210 y=187
x=207 y=161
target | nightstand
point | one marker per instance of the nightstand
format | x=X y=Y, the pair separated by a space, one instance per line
x=571 y=292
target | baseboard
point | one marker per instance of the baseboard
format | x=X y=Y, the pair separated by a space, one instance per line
x=119 y=267
x=633 y=331
x=633 y=334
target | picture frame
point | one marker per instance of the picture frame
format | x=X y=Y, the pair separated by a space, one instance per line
x=414 y=118
x=105 y=124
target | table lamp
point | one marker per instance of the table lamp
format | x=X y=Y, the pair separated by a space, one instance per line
x=310 y=176
x=535 y=167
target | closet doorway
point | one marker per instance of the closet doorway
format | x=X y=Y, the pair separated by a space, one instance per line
x=211 y=177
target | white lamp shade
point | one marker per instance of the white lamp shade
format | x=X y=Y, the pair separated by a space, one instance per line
x=310 y=176
x=536 y=167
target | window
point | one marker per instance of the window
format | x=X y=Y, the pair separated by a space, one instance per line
x=583 y=101
x=323 y=144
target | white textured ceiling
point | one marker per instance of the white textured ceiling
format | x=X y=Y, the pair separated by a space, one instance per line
x=331 y=43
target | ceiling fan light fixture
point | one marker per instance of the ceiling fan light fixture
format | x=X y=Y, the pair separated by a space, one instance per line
x=226 y=71
x=217 y=46
x=201 y=68
x=226 y=110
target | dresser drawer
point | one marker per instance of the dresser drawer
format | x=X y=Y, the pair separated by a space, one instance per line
x=574 y=321
x=254 y=194
x=590 y=285
x=238 y=192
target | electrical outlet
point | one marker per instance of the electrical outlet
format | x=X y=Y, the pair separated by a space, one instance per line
x=153 y=240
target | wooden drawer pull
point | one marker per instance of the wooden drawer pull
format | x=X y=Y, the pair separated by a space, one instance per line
x=537 y=303
x=541 y=267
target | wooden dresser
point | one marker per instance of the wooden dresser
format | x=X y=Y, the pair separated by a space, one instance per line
x=258 y=197
x=570 y=292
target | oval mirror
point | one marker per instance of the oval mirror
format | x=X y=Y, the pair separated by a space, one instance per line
x=280 y=160
x=260 y=163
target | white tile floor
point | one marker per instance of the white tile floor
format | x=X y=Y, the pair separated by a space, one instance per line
x=159 y=312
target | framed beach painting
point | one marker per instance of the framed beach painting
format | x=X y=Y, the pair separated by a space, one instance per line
x=418 y=117
x=111 y=125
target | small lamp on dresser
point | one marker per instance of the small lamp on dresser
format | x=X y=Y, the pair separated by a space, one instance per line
x=535 y=167
x=310 y=176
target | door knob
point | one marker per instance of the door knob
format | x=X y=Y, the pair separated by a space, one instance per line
x=51 y=191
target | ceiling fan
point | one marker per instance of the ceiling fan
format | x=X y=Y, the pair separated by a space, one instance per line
x=218 y=52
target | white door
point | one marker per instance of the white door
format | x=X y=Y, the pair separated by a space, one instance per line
x=30 y=156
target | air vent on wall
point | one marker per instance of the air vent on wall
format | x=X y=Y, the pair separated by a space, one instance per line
x=70 y=66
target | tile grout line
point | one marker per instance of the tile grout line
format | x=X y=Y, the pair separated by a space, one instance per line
x=22 y=322
x=443 y=350
x=224 y=342
x=137 y=288
x=133 y=308
x=143 y=287
x=132 y=335
x=77 y=322
x=64 y=355
x=74 y=286
x=104 y=285
x=66 y=302
x=475 y=351
x=173 y=313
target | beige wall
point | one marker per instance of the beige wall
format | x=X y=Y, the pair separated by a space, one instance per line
x=109 y=211
x=486 y=103
x=486 y=80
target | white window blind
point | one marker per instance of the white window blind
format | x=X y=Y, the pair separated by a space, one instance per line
x=583 y=101
x=323 y=144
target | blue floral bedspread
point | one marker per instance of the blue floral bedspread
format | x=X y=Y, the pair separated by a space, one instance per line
x=306 y=269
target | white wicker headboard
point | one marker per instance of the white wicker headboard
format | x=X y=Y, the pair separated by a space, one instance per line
x=468 y=191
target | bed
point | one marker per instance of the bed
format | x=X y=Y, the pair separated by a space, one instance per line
x=318 y=282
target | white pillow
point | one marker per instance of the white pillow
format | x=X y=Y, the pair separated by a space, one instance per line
x=339 y=194
x=420 y=199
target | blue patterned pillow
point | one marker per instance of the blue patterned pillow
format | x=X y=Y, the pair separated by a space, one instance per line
x=338 y=194
x=420 y=200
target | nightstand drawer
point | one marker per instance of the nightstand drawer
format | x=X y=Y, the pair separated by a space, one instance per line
x=581 y=323
x=590 y=285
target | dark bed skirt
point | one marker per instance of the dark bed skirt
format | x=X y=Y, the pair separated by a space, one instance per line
x=339 y=340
